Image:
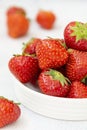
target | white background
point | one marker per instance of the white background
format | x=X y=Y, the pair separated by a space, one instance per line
x=65 y=11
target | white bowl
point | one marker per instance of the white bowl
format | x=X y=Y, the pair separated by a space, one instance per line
x=50 y=106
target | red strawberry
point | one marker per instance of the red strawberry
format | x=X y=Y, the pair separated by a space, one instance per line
x=24 y=68
x=52 y=82
x=75 y=35
x=18 y=25
x=15 y=9
x=45 y=19
x=30 y=47
x=76 y=67
x=77 y=90
x=9 y=112
x=51 y=54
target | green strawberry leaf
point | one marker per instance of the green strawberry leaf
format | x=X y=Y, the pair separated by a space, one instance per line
x=56 y=75
x=80 y=31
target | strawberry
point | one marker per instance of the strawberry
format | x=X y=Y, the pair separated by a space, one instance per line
x=75 y=35
x=45 y=19
x=51 y=54
x=18 y=25
x=30 y=46
x=52 y=82
x=77 y=90
x=76 y=67
x=9 y=112
x=15 y=9
x=24 y=68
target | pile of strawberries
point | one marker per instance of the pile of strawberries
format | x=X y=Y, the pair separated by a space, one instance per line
x=58 y=66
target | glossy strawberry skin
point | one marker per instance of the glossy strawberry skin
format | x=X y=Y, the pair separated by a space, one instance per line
x=18 y=25
x=76 y=67
x=71 y=40
x=24 y=68
x=51 y=54
x=77 y=90
x=15 y=9
x=9 y=112
x=50 y=86
x=46 y=19
x=30 y=47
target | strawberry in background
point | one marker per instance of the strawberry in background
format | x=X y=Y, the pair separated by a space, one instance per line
x=45 y=19
x=17 y=22
x=75 y=35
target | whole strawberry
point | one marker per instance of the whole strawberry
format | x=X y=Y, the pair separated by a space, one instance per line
x=15 y=9
x=30 y=46
x=76 y=67
x=77 y=90
x=51 y=54
x=17 y=25
x=9 y=112
x=45 y=19
x=75 y=35
x=52 y=82
x=24 y=68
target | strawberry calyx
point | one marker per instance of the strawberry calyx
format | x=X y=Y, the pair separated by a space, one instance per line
x=56 y=75
x=25 y=54
x=79 y=31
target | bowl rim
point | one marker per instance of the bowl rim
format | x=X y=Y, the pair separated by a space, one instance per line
x=23 y=85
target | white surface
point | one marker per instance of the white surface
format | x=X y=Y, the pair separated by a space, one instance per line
x=66 y=11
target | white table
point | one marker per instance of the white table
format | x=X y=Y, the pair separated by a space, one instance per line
x=66 y=11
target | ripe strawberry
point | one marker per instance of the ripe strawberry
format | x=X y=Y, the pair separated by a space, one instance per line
x=76 y=67
x=9 y=112
x=77 y=90
x=52 y=82
x=75 y=35
x=45 y=19
x=51 y=54
x=30 y=46
x=24 y=68
x=17 y=25
x=15 y=9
